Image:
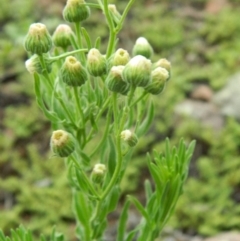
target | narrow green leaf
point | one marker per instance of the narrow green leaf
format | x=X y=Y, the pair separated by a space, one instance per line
x=49 y=114
x=168 y=155
x=59 y=237
x=14 y=235
x=86 y=37
x=112 y=156
x=29 y=236
x=139 y=207
x=42 y=238
x=114 y=197
x=148 y=189
x=81 y=181
x=151 y=204
x=131 y=235
x=154 y=173
x=93 y=122
x=123 y=222
x=81 y=209
x=147 y=121
x=98 y=43
x=2 y=236
x=53 y=233
x=85 y=159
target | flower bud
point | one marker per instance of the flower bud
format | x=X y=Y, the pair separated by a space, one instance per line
x=120 y=57
x=142 y=47
x=62 y=143
x=116 y=16
x=164 y=63
x=129 y=137
x=62 y=36
x=38 y=39
x=76 y=11
x=72 y=72
x=159 y=77
x=98 y=173
x=96 y=63
x=114 y=80
x=33 y=65
x=137 y=71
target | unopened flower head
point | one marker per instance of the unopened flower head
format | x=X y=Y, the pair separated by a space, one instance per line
x=62 y=36
x=120 y=57
x=38 y=39
x=159 y=78
x=96 y=63
x=114 y=80
x=62 y=143
x=98 y=173
x=142 y=47
x=137 y=72
x=114 y=13
x=76 y=11
x=164 y=63
x=72 y=72
x=129 y=137
x=33 y=65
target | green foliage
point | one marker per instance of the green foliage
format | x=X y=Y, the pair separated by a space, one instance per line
x=200 y=50
x=211 y=199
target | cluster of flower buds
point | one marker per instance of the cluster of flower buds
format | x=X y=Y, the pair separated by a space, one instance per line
x=62 y=143
x=38 y=40
x=138 y=71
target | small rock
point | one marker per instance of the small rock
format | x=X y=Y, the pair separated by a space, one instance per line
x=229 y=236
x=228 y=99
x=215 y=6
x=205 y=112
x=202 y=92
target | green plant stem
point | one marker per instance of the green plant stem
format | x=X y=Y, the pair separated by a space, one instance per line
x=94 y=5
x=112 y=35
x=124 y=15
x=80 y=111
x=45 y=73
x=139 y=98
x=131 y=94
x=105 y=105
x=79 y=39
x=85 y=177
x=68 y=54
x=118 y=150
x=67 y=112
x=106 y=132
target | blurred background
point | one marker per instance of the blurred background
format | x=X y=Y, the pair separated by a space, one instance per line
x=201 y=38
